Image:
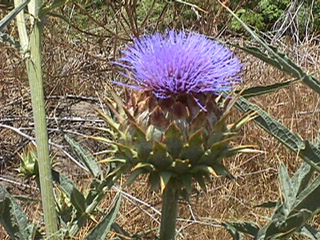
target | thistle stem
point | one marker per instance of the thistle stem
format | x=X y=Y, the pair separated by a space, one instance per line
x=169 y=212
x=31 y=50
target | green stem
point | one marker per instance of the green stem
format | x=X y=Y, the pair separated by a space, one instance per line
x=32 y=54
x=169 y=211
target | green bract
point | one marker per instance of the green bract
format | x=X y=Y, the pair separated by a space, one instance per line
x=174 y=138
x=29 y=162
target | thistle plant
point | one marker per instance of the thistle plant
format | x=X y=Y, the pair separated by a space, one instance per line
x=172 y=124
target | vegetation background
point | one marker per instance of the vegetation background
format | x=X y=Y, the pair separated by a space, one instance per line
x=82 y=38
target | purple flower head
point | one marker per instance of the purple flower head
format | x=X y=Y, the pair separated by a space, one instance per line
x=180 y=63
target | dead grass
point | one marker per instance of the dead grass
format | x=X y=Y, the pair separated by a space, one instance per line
x=76 y=67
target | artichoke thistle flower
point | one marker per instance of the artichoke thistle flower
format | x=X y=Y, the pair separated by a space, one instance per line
x=180 y=63
x=172 y=123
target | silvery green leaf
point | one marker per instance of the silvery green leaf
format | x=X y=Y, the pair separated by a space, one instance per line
x=14 y=220
x=7 y=19
x=84 y=156
x=103 y=228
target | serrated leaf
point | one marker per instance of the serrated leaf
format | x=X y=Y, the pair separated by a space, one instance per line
x=308 y=198
x=103 y=228
x=7 y=19
x=272 y=126
x=310 y=232
x=235 y=228
x=284 y=229
x=120 y=230
x=78 y=200
x=301 y=178
x=305 y=149
x=84 y=156
x=286 y=188
x=64 y=183
x=268 y=204
x=277 y=59
x=34 y=233
x=13 y=219
x=233 y=231
x=267 y=89
x=98 y=187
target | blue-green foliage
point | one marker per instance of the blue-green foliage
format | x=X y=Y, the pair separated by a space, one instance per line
x=263 y=14
x=299 y=193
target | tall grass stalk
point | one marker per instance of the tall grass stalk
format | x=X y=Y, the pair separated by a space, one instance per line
x=31 y=49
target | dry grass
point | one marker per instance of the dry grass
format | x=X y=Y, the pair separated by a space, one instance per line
x=76 y=69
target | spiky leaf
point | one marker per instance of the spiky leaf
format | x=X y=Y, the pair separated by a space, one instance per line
x=201 y=180
x=221 y=170
x=194 y=149
x=301 y=178
x=310 y=232
x=266 y=89
x=164 y=179
x=84 y=156
x=308 y=198
x=187 y=183
x=143 y=146
x=159 y=156
x=64 y=183
x=78 y=200
x=276 y=58
x=154 y=181
x=286 y=188
x=14 y=220
x=244 y=227
x=173 y=140
x=213 y=155
x=284 y=229
x=180 y=166
x=103 y=228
